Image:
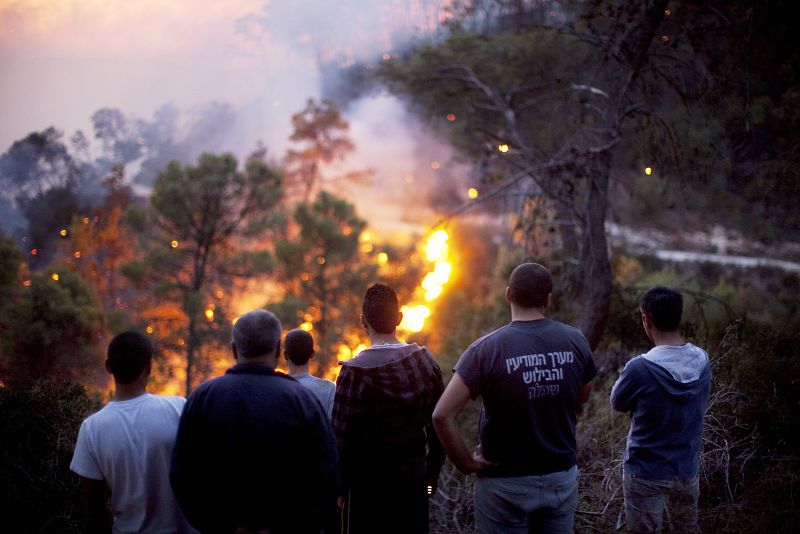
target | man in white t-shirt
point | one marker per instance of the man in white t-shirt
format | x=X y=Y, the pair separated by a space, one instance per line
x=127 y=448
x=299 y=350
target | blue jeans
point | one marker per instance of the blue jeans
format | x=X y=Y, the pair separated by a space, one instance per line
x=646 y=501
x=534 y=503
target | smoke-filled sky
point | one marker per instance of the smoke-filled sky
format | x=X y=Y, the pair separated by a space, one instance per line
x=61 y=60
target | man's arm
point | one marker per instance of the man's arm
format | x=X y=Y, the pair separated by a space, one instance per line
x=453 y=400
x=586 y=389
x=624 y=391
x=94 y=493
x=435 y=456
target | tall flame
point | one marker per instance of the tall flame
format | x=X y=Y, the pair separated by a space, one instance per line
x=437 y=252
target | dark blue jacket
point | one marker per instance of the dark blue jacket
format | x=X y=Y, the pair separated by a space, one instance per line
x=255 y=449
x=666 y=392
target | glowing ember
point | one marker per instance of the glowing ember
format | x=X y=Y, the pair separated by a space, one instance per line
x=383 y=259
x=34 y=252
x=55 y=276
x=472 y=193
x=174 y=244
x=210 y=314
x=77 y=254
x=149 y=329
x=648 y=171
x=63 y=232
x=502 y=148
x=308 y=327
x=451 y=117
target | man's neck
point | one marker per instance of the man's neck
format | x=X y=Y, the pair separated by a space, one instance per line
x=123 y=392
x=526 y=314
x=377 y=338
x=296 y=370
x=666 y=338
x=270 y=361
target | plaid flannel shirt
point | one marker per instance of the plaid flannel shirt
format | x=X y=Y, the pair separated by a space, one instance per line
x=382 y=419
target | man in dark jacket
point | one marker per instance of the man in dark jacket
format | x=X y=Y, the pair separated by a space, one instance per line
x=666 y=392
x=382 y=419
x=255 y=451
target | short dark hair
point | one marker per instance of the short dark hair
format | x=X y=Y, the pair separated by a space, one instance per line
x=664 y=306
x=381 y=309
x=529 y=285
x=298 y=346
x=128 y=355
x=257 y=333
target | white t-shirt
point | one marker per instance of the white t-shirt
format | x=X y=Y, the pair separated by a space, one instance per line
x=129 y=445
x=322 y=389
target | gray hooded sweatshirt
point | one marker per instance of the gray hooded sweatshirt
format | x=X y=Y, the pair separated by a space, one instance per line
x=666 y=392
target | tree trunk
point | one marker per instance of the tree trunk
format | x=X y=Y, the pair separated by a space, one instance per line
x=594 y=294
x=191 y=347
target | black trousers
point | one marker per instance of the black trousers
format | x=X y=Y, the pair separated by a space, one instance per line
x=386 y=509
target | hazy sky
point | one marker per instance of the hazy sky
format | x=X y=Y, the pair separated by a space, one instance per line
x=61 y=60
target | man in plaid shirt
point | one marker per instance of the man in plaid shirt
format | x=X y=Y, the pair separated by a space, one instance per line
x=390 y=455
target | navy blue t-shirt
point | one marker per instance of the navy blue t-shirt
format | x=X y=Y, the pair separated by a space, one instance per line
x=529 y=374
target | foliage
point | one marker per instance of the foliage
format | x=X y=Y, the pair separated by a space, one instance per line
x=99 y=244
x=324 y=272
x=36 y=163
x=321 y=133
x=38 y=430
x=52 y=327
x=196 y=234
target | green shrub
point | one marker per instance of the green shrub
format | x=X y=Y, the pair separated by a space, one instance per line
x=38 y=430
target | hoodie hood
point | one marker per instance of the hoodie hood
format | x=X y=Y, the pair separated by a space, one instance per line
x=681 y=370
x=401 y=371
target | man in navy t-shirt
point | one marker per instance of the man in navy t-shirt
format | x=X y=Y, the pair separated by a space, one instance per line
x=532 y=374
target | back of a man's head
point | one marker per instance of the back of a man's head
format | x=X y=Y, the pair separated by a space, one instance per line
x=128 y=355
x=381 y=309
x=664 y=306
x=529 y=285
x=257 y=333
x=299 y=346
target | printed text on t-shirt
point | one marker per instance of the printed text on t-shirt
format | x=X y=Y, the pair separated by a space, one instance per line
x=538 y=368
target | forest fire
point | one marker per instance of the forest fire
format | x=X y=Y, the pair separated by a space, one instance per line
x=437 y=252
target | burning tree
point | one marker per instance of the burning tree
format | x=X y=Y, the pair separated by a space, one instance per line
x=541 y=104
x=324 y=271
x=322 y=134
x=200 y=221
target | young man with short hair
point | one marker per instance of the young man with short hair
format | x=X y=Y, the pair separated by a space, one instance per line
x=127 y=446
x=255 y=451
x=298 y=348
x=533 y=375
x=389 y=452
x=666 y=391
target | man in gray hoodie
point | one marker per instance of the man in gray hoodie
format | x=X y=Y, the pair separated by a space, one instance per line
x=666 y=392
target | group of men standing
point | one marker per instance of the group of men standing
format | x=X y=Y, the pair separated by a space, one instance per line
x=260 y=451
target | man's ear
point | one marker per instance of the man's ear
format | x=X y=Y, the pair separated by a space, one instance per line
x=364 y=322
x=549 y=301
x=108 y=367
x=508 y=299
x=399 y=318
